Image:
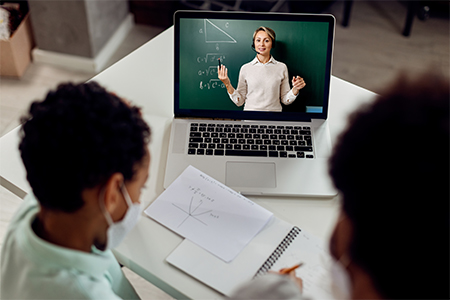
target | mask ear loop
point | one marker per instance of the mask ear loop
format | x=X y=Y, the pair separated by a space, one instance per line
x=101 y=200
x=345 y=260
x=126 y=195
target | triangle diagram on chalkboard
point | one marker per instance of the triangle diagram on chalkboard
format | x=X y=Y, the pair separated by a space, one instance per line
x=213 y=34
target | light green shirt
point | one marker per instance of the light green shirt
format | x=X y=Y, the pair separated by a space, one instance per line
x=32 y=268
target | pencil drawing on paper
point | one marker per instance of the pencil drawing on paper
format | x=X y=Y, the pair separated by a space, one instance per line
x=192 y=213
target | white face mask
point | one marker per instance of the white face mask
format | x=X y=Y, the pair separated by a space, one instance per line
x=116 y=232
x=340 y=280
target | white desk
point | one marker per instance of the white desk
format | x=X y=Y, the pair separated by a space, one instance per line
x=146 y=78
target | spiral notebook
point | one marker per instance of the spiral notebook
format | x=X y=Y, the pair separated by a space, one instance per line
x=278 y=245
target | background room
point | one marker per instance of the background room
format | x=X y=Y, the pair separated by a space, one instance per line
x=369 y=51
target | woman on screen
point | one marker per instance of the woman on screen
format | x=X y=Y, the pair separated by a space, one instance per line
x=264 y=82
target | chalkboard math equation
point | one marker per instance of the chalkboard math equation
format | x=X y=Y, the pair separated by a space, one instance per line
x=211 y=57
x=212 y=84
x=211 y=71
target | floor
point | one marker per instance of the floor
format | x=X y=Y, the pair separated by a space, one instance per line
x=369 y=53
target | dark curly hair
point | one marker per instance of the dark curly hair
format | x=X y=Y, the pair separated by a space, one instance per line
x=76 y=138
x=392 y=168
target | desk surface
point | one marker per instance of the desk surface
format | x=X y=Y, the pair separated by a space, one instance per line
x=145 y=77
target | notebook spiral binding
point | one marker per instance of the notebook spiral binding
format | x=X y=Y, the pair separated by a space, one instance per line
x=278 y=251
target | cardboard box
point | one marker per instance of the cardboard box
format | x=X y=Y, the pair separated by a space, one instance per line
x=15 y=54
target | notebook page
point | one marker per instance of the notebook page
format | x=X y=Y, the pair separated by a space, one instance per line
x=310 y=250
x=226 y=277
x=209 y=214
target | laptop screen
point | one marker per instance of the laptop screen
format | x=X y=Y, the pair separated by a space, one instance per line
x=303 y=44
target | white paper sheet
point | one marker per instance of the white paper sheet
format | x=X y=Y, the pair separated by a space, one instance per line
x=209 y=214
x=311 y=251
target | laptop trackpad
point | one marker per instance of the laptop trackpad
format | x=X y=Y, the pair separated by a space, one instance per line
x=250 y=174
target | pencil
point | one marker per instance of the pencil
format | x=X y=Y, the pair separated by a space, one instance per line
x=289 y=270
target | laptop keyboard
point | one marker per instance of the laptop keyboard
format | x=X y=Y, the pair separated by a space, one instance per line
x=250 y=140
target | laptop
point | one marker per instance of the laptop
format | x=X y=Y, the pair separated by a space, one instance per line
x=255 y=152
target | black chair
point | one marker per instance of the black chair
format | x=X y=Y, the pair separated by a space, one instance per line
x=413 y=8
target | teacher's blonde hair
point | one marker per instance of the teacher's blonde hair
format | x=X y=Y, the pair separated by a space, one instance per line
x=267 y=30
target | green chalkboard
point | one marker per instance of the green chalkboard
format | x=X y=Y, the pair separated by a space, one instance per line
x=302 y=46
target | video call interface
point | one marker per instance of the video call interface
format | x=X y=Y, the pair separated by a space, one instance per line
x=204 y=44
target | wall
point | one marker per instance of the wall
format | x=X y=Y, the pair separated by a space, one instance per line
x=76 y=27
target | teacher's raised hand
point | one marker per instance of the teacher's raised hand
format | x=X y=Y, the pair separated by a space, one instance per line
x=222 y=73
x=297 y=84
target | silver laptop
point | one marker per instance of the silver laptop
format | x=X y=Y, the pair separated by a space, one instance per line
x=255 y=152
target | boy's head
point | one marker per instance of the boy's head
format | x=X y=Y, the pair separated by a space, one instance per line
x=392 y=169
x=75 y=139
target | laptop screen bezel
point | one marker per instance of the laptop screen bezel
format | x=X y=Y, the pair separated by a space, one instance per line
x=252 y=115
